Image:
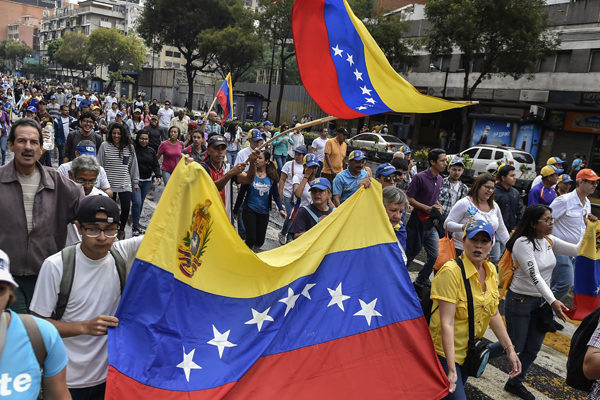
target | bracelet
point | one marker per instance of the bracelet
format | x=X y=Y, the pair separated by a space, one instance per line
x=509 y=346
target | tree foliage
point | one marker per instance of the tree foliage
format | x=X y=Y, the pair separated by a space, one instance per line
x=108 y=46
x=388 y=32
x=506 y=37
x=72 y=52
x=53 y=47
x=14 y=52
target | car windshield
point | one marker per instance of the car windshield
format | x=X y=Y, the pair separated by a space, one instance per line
x=522 y=157
x=391 y=139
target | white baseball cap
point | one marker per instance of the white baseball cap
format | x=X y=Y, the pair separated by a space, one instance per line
x=5 y=275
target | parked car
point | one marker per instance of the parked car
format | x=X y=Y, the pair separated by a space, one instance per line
x=486 y=158
x=380 y=142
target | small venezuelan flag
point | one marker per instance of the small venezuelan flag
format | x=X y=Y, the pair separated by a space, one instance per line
x=225 y=97
x=332 y=315
x=586 y=289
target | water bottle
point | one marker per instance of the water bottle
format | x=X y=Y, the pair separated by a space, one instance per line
x=49 y=141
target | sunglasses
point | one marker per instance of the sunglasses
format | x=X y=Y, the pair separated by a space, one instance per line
x=389 y=179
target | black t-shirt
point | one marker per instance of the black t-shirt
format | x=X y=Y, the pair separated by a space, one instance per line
x=304 y=221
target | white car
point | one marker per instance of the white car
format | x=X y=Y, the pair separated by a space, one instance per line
x=486 y=158
x=381 y=142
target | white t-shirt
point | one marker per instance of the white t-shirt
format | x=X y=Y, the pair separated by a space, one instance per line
x=108 y=101
x=533 y=276
x=242 y=156
x=319 y=145
x=102 y=183
x=29 y=186
x=305 y=200
x=164 y=117
x=96 y=290
x=570 y=216
x=73 y=235
x=288 y=167
x=111 y=115
x=298 y=139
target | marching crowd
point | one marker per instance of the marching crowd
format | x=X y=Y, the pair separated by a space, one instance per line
x=64 y=257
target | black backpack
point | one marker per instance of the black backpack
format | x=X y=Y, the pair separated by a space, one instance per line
x=579 y=345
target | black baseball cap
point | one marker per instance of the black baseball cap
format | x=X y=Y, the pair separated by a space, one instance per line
x=90 y=205
x=216 y=141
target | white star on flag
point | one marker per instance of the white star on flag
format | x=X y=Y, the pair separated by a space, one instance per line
x=368 y=310
x=361 y=108
x=221 y=340
x=289 y=301
x=259 y=317
x=188 y=363
x=337 y=297
x=365 y=90
x=370 y=100
x=306 y=289
x=350 y=59
x=358 y=75
x=337 y=51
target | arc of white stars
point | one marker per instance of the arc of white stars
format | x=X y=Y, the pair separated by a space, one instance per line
x=370 y=100
x=259 y=318
x=365 y=90
x=337 y=51
x=350 y=59
x=221 y=340
x=358 y=75
x=368 y=310
x=337 y=297
x=188 y=363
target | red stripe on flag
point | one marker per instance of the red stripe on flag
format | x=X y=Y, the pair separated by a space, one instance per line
x=583 y=304
x=313 y=55
x=396 y=361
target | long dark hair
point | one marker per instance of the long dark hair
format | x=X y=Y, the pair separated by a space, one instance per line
x=481 y=180
x=232 y=130
x=270 y=167
x=125 y=139
x=525 y=227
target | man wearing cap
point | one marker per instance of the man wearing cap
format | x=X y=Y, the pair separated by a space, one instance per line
x=211 y=126
x=181 y=121
x=256 y=140
x=36 y=205
x=508 y=198
x=22 y=377
x=543 y=193
x=165 y=115
x=347 y=182
x=453 y=189
x=386 y=175
x=570 y=212
x=335 y=155
x=423 y=194
x=563 y=186
x=94 y=296
x=53 y=108
x=290 y=169
x=85 y=132
x=156 y=134
x=222 y=173
x=557 y=162
x=318 y=148
x=309 y=215
x=87 y=147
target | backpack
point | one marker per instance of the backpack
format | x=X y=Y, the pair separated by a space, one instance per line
x=66 y=282
x=35 y=337
x=581 y=337
x=506 y=270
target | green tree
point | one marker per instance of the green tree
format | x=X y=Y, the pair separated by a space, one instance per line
x=505 y=37
x=36 y=70
x=181 y=24
x=15 y=52
x=72 y=53
x=53 y=46
x=108 y=46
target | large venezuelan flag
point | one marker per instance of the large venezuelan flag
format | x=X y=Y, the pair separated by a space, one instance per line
x=225 y=97
x=586 y=290
x=344 y=70
x=332 y=315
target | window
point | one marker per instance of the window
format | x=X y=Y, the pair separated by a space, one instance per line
x=547 y=64
x=176 y=54
x=595 y=61
x=563 y=60
x=365 y=137
x=104 y=19
x=522 y=157
x=168 y=53
x=498 y=155
x=471 y=153
x=485 y=154
x=441 y=63
x=168 y=64
x=176 y=65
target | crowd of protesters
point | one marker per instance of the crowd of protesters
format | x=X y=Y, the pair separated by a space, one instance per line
x=83 y=162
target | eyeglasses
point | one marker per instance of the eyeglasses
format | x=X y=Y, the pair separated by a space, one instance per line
x=488 y=188
x=548 y=221
x=591 y=182
x=86 y=182
x=93 y=232
x=389 y=179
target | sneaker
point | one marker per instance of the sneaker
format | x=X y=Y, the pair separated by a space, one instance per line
x=282 y=239
x=557 y=326
x=137 y=231
x=519 y=391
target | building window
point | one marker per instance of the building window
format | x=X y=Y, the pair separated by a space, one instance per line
x=176 y=54
x=168 y=53
x=441 y=63
x=176 y=65
x=595 y=61
x=104 y=19
x=168 y=64
x=563 y=60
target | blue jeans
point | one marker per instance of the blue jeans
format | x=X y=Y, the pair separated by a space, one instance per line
x=416 y=240
x=562 y=276
x=231 y=155
x=459 y=393
x=3 y=148
x=320 y=168
x=520 y=313
x=137 y=202
x=166 y=176
x=289 y=207
x=280 y=160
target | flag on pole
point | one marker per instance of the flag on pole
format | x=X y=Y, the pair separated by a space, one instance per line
x=586 y=290
x=330 y=315
x=225 y=97
x=344 y=70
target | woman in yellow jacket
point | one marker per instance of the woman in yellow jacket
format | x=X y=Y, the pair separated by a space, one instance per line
x=449 y=320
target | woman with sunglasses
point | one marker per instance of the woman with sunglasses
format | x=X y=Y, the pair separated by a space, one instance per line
x=533 y=247
x=479 y=204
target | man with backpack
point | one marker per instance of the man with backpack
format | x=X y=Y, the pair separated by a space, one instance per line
x=82 y=305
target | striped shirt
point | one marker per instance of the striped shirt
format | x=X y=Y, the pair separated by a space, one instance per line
x=120 y=166
x=29 y=185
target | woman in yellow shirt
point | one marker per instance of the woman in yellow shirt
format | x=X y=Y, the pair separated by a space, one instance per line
x=449 y=320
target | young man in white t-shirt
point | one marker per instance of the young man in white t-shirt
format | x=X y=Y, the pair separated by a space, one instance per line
x=318 y=148
x=286 y=188
x=94 y=295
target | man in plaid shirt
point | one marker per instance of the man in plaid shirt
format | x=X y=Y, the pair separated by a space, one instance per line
x=453 y=189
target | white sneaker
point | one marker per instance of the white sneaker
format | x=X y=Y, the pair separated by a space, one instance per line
x=282 y=239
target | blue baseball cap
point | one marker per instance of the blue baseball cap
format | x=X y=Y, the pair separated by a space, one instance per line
x=320 y=183
x=385 y=169
x=31 y=109
x=267 y=123
x=455 y=161
x=565 y=178
x=86 y=149
x=120 y=113
x=255 y=135
x=300 y=149
x=356 y=155
x=310 y=160
x=405 y=149
x=474 y=226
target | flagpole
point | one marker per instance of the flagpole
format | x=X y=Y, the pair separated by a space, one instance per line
x=211 y=105
x=299 y=127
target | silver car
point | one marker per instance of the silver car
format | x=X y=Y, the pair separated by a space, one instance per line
x=376 y=141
